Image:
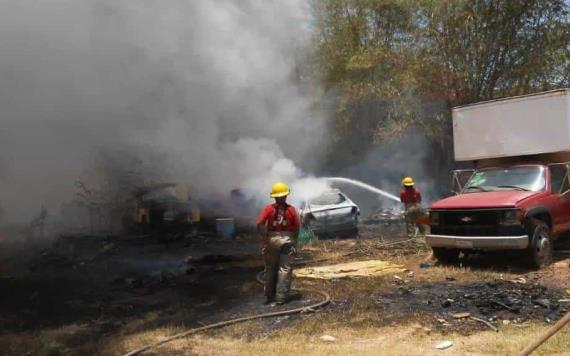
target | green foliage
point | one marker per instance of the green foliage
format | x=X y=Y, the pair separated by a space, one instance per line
x=305 y=236
x=391 y=65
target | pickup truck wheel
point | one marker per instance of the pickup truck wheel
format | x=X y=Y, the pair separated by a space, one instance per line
x=446 y=255
x=540 y=246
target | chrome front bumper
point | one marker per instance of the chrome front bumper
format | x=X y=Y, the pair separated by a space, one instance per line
x=479 y=242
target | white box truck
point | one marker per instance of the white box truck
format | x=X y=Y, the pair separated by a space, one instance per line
x=518 y=195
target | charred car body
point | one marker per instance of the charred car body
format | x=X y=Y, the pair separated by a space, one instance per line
x=162 y=207
x=517 y=197
x=331 y=214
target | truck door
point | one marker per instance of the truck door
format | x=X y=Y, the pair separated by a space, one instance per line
x=560 y=187
x=565 y=199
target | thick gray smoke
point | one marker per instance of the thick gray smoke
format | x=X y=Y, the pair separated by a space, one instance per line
x=386 y=165
x=211 y=86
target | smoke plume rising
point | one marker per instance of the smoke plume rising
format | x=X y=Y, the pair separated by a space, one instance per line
x=199 y=91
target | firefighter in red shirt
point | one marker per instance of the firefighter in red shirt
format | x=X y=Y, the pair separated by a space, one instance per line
x=278 y=226
x=412 y=199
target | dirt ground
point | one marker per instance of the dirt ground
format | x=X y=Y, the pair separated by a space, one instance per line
x=107 y=295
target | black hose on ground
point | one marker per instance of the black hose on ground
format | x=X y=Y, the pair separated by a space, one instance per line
x=326 y=300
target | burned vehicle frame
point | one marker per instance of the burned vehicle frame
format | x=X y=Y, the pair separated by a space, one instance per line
x=162 y=207
x=331 y=214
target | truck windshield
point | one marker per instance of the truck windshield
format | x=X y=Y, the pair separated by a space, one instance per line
x=518 y=178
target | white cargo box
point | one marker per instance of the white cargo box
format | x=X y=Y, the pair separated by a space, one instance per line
x=517 y=126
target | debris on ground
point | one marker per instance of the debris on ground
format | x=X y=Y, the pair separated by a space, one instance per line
x=351 y=269
x=328 y=338
x=491 y=326
x=488 y=301
x=108 y=247
x=385 y=216
x=545 y=303
x=461 y=315
x=425 y=265
x=447 y=303
x=444 y=345
x=520 y=280
x=50 y=258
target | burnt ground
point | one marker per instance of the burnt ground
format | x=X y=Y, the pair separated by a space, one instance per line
x=446 y=304
x=128 y=284
x=107 y=283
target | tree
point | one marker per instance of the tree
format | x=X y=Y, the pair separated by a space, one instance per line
x=490 y=49
x=391 y=65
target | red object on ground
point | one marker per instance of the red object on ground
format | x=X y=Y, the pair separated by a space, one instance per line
x=279 y=217
x=410 y=196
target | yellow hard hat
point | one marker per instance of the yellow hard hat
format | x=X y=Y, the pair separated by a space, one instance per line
x=408 y=182
x=279 y=189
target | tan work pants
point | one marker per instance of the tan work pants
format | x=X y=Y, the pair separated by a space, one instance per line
x=278 y=269
x=413 y=212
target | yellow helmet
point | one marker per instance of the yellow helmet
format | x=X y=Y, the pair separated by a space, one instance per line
x=408 y=182
x=279 y=189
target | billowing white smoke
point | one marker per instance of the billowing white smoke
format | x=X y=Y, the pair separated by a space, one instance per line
x=211 y=84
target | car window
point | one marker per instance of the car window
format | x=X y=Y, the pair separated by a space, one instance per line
x=557 y=175
x=328 y=199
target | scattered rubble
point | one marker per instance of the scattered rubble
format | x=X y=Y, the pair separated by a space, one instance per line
x=328 y=338
x=108 y=247
x=385 y=216
x=461 y=315
x=50 y=258
x=444 y=345
x=491 y=326
x=487 y=301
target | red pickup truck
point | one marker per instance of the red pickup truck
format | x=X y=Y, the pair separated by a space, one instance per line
x=518 y=195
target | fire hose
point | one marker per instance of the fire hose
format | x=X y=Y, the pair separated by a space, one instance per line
x=326 y=300
x=311 y=308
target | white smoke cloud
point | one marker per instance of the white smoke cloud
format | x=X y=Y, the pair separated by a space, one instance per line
x=211 y=84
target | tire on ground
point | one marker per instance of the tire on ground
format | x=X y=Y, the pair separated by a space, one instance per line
x=539 y=252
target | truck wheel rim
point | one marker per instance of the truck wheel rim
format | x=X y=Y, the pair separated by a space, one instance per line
x=542 y=246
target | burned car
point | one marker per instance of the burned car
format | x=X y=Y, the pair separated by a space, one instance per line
x=331 y=214
x=162 y=207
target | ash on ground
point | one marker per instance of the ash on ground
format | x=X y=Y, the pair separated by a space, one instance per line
x=452 y=306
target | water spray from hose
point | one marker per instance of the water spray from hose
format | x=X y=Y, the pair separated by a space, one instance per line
x=364 y=186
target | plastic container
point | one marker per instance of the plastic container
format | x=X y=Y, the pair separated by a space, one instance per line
x=225 y=228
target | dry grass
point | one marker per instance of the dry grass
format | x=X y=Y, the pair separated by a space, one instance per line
x=305 y=339
x=358 y=328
